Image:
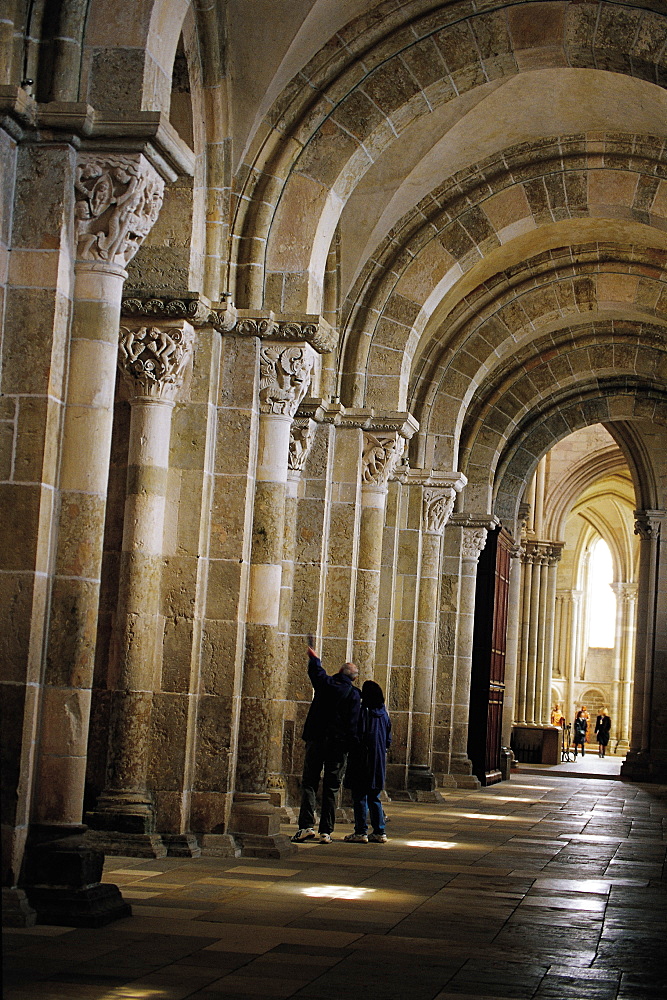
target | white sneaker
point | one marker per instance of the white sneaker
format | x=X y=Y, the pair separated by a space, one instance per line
x=356 y=838
x=325 y=838
x=301 y=835
x=378 y=838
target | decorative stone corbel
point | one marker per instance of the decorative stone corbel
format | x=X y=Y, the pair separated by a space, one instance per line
x=118 y=199
x=153 y=359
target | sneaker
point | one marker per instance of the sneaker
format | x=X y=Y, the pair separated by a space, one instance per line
x=356 y=838
x=301 y=835
x=325 y=838
x=378 y=838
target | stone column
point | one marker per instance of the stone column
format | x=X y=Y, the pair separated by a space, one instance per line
x=285 y=373
x=473 y=539
x=153 y=361
x=536 y=562
x=438 y=504
x=382 y=450
x=117 y=200
x=302 y=434
x=540 y=625
x=549 y=624
x=626 y=626
x=524 y=635
x=512 y=644
x=643 y=759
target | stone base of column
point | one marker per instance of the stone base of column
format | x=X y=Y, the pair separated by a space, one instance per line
x=219 y=845
x=94 y=906
x=123 y=823
x=461 y=770
x=421 y=778
x=62 y=880
x=130 y=845
x=16 y=910
x=255 y=824
x=645 y=766
x=181 y=845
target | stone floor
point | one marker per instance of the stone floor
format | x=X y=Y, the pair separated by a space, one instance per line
x=544 y=886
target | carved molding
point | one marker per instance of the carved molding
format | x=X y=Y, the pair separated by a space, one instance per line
x=284 y=377
x=118 y=200
x=153 y=359
x=472 y=543
x=381 y=454
x=192 y=306
x=302 y=435
x=312 y=329
x=438 y=507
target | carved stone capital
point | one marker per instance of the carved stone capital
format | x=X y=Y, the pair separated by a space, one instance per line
x=472 y=543
x=311 y=328
x=302 y=435
x=284 y=377
x=381 y=454
x=648 y=524
x=118 y=199
x=625 y=592
x=153 y=359
x=192 y=306
x=438 y=507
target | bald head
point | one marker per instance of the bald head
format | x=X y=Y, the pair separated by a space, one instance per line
x=350 y=670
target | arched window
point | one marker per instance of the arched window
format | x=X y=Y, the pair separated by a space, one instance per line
x=601 y=598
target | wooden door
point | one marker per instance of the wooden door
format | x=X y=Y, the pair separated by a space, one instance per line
x=487 y=682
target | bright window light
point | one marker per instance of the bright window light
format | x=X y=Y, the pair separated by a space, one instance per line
x=431 y=843
x=602 y=600
x=336 y=891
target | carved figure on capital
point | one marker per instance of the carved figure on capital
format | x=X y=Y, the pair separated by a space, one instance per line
x=381 y=455
x=474 y=540
x=284 y=377
x=438 y=507
x=300 y=443
x=118 y=199
x=153 y=359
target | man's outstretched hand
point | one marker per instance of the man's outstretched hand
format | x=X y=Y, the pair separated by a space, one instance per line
x=311 y=652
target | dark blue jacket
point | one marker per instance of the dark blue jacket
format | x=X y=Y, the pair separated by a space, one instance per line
x=367 y=764
x=334 y=711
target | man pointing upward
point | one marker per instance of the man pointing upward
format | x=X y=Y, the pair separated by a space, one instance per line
x=329 y=732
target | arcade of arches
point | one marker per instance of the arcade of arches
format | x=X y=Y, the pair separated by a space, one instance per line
x=342 y=317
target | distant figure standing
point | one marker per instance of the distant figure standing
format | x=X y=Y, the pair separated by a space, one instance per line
x=367 y=766
x=579 y=731
x=557 y=717
x=330 y=730
x=602 y=727
x=587 y=716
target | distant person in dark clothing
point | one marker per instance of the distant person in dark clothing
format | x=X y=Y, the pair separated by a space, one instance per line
x=329 y=731
x=602 y=727
x=367 y=766
x=580 y=729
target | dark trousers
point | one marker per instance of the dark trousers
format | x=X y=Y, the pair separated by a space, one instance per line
x=364 y=801
x=321 y=756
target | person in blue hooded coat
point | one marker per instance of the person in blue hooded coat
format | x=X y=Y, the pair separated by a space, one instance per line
x=367 y=766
